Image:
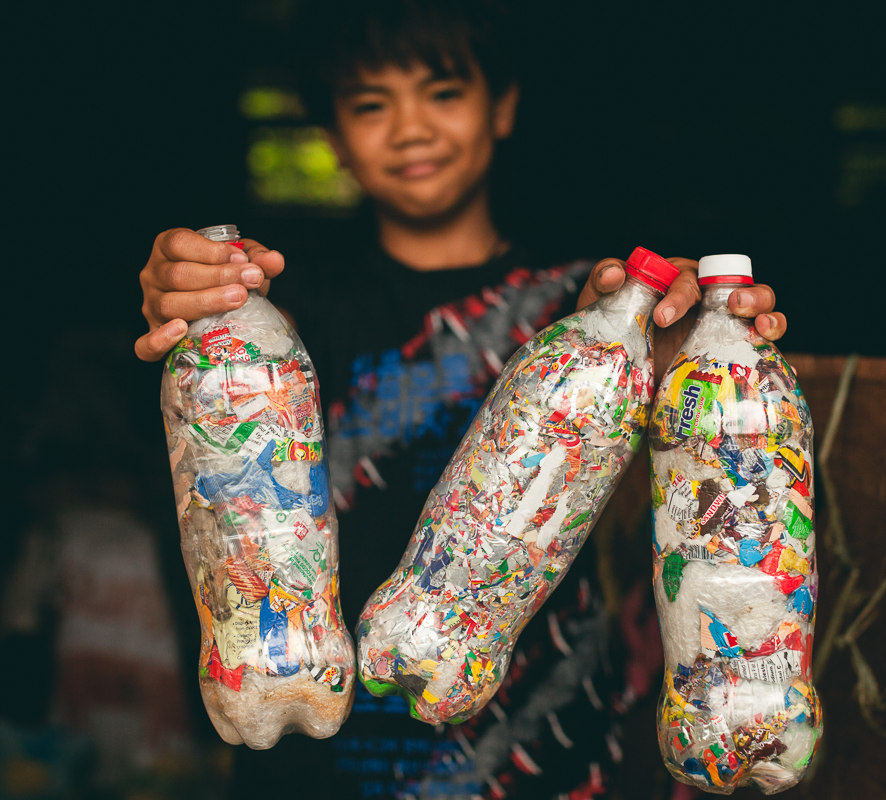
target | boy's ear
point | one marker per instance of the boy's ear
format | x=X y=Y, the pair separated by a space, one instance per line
x=504 y=112
x=337 y=146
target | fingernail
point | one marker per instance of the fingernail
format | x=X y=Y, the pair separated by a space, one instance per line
x=610 y=271
x=252 y=276
x=743 y=299
x=771 y=320
x=239 y=257
x=233 y=294
x=667 y=314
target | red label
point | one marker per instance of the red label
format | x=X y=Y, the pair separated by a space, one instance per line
x=708 y=377
x=232 y=678
x=220 y=337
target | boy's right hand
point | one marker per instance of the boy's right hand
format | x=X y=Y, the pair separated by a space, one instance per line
x=676 y=312
x=188 y=277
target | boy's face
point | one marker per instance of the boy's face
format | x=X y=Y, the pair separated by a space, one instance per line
x=419 y=143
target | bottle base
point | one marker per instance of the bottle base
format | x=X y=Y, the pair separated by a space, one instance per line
x=268 y=707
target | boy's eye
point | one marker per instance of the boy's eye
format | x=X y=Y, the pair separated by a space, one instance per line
x=447 y=93
x=366 y=107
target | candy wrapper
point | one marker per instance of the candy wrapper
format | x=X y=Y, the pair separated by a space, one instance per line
x=734 y=559
x=515 y=504
x=258 y=531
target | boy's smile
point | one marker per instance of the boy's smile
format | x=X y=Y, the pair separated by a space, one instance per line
x=419 y=142
x=420 y=168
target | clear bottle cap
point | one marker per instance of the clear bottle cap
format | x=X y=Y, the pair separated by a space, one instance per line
x=726 y=268
x=220 y=233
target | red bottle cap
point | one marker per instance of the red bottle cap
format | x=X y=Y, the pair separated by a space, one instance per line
x=651 y=268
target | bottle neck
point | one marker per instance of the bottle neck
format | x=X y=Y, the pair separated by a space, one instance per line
x=221 y=233
x=623 y=309
x=646 y=296
x=715 y=321
x=716 y=295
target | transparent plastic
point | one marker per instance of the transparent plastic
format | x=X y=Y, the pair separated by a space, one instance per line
x=734 y=559
x=259 y=534
x=512 y=509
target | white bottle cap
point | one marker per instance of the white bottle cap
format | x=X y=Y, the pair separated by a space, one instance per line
x=711 y=268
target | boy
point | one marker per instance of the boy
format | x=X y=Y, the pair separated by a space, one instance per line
x=415 y=96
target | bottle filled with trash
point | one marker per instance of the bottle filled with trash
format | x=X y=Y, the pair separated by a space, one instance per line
x=734 y=553
x=515 y=503
x=258 y=530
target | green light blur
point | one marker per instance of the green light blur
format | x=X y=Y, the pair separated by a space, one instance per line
x=296 y=166
x=263 y=103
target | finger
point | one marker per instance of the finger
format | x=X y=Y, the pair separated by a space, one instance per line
x=771 y=326
x=189 y=276
x=181 y=244
x=749 y=301
x=194 y=305
x=682 y=295
x=606 y=276
x=271 y=261
x=153 y=345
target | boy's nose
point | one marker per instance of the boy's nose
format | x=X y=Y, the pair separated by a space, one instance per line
x=410 y=125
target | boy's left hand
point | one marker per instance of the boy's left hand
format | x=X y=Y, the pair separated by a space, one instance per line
x=676 y=312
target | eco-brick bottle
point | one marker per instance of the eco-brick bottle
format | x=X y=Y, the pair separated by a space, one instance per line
x=734 y=552
x=258 y=531
x=515 y=504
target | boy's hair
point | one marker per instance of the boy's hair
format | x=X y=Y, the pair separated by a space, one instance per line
x=337 y=37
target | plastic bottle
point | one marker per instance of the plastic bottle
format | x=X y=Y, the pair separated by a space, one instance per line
x=515 y=503
x=734 y=558
x=259 y=534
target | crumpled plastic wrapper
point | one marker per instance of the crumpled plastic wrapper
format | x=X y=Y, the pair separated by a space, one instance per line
x=258 y=531
x=512 y=509
x=734 y=570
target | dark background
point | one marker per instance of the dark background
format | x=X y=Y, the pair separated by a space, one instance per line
x=688 y=128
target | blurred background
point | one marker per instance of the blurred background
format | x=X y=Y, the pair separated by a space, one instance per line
x=688 y=128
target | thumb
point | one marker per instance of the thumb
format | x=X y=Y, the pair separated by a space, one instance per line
x=606 y=276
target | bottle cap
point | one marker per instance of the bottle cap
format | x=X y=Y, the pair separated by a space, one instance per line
x=651 y=268
x=727 y=268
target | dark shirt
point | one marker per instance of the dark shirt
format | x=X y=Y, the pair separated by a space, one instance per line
x=404 y=360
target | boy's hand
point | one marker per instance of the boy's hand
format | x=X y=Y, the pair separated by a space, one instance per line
x=188 y=277
x=676 y=312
